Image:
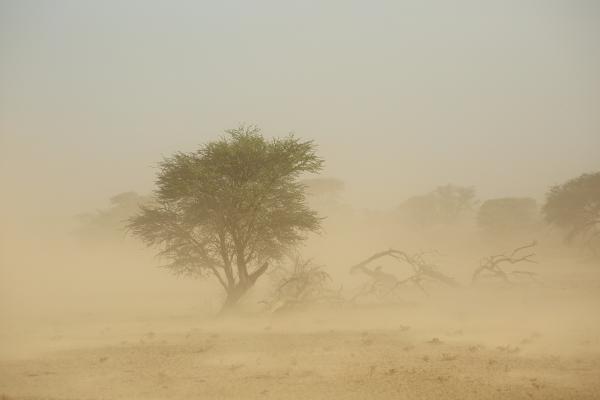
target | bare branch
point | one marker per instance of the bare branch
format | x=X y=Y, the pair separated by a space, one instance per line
x=492 y=265
x=422 y=270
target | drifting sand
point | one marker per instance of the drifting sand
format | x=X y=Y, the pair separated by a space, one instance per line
x=433 y=350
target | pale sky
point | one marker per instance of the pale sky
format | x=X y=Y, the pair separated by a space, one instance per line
x=401 y=96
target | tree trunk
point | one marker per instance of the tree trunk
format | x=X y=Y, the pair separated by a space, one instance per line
x=232 y=299
x=238 y=291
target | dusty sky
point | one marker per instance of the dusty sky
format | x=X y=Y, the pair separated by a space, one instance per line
x=401 y=96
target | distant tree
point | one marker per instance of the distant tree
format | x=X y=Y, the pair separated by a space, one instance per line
x=231 y=208
x=110 y=222
x=419 y=211
x=444 y=205
x=324 y=195
x=324 y=187
x=507 y=215
x=575 y=207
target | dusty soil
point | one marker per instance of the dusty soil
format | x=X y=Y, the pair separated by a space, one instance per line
x=530 y=342
x=404 y=353
x=348 y=365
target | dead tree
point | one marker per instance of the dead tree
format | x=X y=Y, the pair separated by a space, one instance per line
x=492 y=266
x=384 y=284
x=303 y=284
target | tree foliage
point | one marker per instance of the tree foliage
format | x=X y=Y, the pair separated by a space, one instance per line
x=575 y=207
x=444 y=205
x=230 y=208
x=507 y=215
x=324 y=195
x=110 y=223
x=324 y=187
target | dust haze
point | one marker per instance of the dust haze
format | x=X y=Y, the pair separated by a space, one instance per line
x=455 y=181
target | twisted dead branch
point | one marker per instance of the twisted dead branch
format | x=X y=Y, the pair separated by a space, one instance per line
x=492 y=266
x=384 y=284
x=303 y=284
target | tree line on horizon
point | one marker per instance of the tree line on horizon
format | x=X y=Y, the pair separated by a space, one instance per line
x=238 y=204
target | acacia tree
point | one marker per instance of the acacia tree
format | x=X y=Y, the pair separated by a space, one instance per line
x=230 y=208
x=575 y=207
x=507 y=215
x=444 y=205
x=108 y=224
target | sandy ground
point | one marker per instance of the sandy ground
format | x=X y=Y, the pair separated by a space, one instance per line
x=388 y=365
x=473 y=349
x=493 y=342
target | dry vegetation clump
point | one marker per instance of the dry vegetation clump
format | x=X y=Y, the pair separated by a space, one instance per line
x=302 y=284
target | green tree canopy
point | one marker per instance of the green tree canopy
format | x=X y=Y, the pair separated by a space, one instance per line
x=507 y=215
x=444 y=205
x=324 y=187
x=575 y=207
x=231 y=208
x=110 y=223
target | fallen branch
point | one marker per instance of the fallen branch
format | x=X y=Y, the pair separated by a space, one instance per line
x=492 y=266
x=422 y=271
x=302 y=284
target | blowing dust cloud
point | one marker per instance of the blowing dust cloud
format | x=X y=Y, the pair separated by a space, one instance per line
x=316 y=200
